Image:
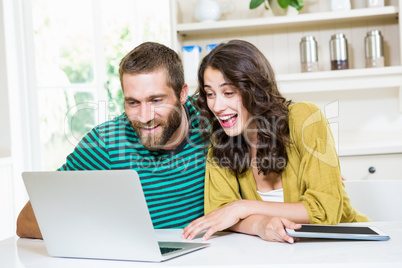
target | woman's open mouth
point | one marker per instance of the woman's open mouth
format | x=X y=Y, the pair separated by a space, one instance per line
x=228 y=121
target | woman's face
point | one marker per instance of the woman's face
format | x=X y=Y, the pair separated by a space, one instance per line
x=225 y=102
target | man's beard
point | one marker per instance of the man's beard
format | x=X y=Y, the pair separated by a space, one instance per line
x=155 y=142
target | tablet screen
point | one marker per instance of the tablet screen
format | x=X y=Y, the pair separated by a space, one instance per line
x=339 y=232
x=336 y=229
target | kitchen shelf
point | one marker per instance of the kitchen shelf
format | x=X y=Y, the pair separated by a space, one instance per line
x=387 y=12
x=339 y=80
x=350 y=79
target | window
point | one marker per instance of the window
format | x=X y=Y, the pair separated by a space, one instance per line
x=78 y=48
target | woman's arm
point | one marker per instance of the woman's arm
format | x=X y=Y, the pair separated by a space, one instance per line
x=268 y=228
x=232 y=216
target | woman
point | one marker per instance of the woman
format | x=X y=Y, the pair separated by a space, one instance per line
x=272 y=163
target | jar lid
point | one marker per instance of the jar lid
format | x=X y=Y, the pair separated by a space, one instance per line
x=307 y=38
x=191 y=48
x=338 y=36
x=338 y=47
x=308 y=49
x=374 y=33
x=373 y=44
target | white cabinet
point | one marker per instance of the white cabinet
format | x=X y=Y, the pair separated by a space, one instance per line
x=372 y=167
x=363 y=105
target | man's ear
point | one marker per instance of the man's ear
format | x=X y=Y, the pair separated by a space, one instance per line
x=184 y=94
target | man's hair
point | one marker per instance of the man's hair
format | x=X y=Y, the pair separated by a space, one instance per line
x=150 y=57
x=248 y=70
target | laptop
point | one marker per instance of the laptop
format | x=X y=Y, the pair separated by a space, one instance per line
x=99 y=215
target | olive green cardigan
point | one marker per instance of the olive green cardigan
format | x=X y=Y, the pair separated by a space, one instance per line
x=312 y=175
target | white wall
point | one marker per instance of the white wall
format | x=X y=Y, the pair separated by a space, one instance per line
x=6 y=191
x=14 y=128
x=4 y=107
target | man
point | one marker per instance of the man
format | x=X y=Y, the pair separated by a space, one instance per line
x=158 y=136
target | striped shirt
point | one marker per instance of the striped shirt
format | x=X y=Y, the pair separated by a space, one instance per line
x=172 y=180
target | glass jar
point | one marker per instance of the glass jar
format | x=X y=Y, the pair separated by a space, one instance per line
x=338 y=47
x=308 y=54
x=374 y=49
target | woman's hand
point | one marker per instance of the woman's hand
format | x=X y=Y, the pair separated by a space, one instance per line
x=217 y=220
x=243 y=216
x=273 y=229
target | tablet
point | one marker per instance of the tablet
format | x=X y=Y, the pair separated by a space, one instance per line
x=339 y=232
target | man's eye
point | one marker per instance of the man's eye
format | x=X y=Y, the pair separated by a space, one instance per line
x=131 y=102
x=156 y=100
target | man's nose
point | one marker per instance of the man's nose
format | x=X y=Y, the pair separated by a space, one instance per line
x=147 y=113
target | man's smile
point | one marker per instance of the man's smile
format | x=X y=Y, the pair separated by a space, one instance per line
x=150 y=129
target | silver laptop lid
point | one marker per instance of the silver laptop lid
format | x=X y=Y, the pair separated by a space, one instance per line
x=93 y=214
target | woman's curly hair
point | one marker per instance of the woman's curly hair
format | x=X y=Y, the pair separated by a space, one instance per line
x=248 y=70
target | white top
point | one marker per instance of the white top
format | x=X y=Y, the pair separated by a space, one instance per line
x=272 y=196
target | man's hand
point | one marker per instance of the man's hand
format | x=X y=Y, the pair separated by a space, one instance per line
x=27 y=226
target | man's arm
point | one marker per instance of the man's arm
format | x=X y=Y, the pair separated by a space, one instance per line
x=27 y=226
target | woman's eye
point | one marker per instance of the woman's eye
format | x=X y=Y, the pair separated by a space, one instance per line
x=229 y=93
x=210 y=95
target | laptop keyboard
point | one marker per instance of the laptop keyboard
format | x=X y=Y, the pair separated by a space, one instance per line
x=165 y=250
